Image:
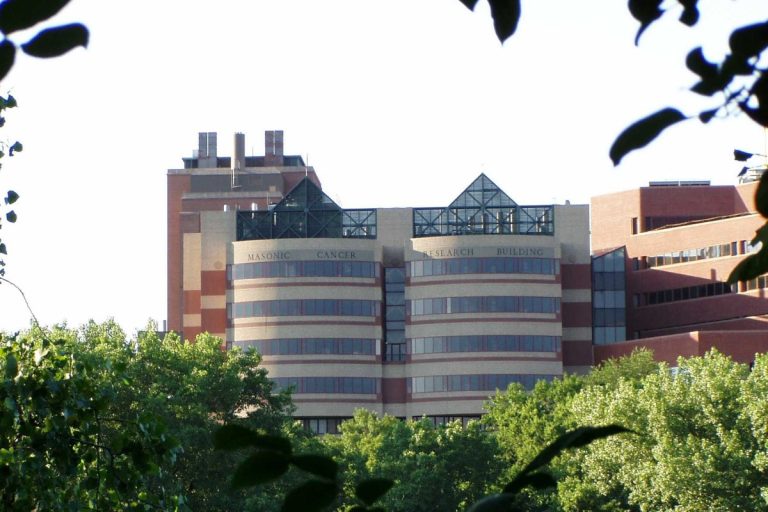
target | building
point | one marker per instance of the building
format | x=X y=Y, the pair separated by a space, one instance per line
x=407 y=311
x=209 y=182
x=662 y=255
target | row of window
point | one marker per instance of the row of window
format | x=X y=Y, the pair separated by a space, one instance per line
x=702 y=253
x=270 y=269
x=301 y=346
x=349 y=385
x=303 y=307
x=548 y=266
x=455 y=305
x=490 y=343
x=690 y=292
x=323 y=425
x=449 y=383
x=444 y=420
x=756 y=283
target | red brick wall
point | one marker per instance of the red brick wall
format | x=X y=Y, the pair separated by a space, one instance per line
x=739 y=345
x=394 y=391
x=177 y=185
x=577 y=314
x=577 y=353
x=576 y=276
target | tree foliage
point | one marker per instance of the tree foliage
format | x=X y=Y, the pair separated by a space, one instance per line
x=62 y=444
x=96 y=421
x=700 y=445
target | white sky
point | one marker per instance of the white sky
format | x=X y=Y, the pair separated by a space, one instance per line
x=397 y=103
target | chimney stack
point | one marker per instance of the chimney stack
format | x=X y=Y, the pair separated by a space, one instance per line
x=238 y=155
x=273 y=147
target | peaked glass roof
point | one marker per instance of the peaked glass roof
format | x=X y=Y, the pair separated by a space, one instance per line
x=306 y=212
x=482 y=209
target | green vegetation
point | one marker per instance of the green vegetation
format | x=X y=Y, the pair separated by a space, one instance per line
x=93 y=421
x=696 y=441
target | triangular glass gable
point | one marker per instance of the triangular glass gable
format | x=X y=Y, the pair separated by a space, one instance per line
x=306 y=212
x=482 y=209
x=306 y=196
x=482 y=193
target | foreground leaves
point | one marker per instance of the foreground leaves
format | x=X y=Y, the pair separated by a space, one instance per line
x=505 y=14
x=643 y=132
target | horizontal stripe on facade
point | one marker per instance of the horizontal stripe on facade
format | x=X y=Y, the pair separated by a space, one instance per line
x=283 y=284
x=299 y=400
x=242 y=322
x=420 y=282
x=508 y=319
x=276 y=360
x=436 y=399
x=416 y=359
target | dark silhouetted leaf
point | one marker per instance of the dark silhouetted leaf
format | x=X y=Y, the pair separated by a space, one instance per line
x=707 y=88
x=11 y=216
x=755 y=264
x=3 y=250
x=56 y=41
x=707 y=115
x=274 y=443
x=572 y=439
x=310 y=496
x=263 y=466
x=749 y=268
x=646 y=12
x=536 y=480
x=696 y=62
x=368 y=491
x=16 y=148
x=506 y=15
x=733 y=66
x=642 y=132
x=749 y=41
x=690 y=15
x=11 y=366
x=493 y=503
x=741 y=156
x=758 y=115
x=11 y=197
x=7 y=56
x=761 y=195
x=470 y=4
x=233 y=437
x=20 y=14
x=319 y=465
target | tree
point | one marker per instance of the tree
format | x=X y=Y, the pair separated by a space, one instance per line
x=433 y=467
x=192 y=388
x=700 y=441
x=62 y=445
x=524 y=422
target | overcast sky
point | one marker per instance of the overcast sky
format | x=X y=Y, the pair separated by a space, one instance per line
x=398 y=103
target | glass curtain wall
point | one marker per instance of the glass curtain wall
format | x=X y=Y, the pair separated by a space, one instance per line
x=609 y=308
x=394 y=314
